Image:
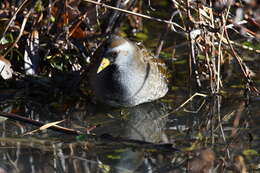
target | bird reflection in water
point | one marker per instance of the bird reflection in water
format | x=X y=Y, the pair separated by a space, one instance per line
x=143 y=123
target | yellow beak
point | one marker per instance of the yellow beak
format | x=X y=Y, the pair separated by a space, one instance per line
x=104 y=63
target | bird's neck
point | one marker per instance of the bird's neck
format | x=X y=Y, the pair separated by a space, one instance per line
x=138 y=65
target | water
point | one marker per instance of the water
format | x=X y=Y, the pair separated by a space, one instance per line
x=226 y=123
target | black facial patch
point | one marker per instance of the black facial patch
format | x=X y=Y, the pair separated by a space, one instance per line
x=111 y=56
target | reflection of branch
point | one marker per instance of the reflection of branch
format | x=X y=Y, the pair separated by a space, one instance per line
x=38 y=123
x=136 y=144
x=103 y=140
x=237 y=120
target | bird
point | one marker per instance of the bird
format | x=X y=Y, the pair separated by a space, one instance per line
x=123 y=74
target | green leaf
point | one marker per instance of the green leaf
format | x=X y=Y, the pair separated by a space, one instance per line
x=81 y=137
x=52 y=19
x=38 y=6
x=248 y=44
x=201 y=57
x=114 y=157
x=183 y=61
x=8 y=38
x=166 y=55
x=251 y=45
x=49 y=57
x=141 y=36
x=250 y=152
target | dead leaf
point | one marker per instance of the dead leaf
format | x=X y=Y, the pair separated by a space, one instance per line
x=239 y=164
x=46 y=126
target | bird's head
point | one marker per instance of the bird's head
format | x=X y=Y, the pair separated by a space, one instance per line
x=118 y=51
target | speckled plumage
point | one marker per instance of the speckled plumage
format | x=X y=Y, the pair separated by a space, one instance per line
x=133 y=77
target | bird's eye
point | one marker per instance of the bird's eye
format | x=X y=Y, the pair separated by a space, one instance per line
x=113 y=54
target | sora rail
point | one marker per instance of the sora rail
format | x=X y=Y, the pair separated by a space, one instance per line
x=123 y=74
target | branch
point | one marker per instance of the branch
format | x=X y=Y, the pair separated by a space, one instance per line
x=136 y=14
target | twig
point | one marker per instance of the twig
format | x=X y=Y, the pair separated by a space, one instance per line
x=196 y=111
x=163 y=36
x=194 y=64
x=76 y=26
x=184 y=103
x=150 y=5
x=224 y=18
x=245 y=47
x=136 y=14
x=13 y=17
x=220 y=124
x=243 y=67
x=230 y=26
x=44 y=127
x=21 y=31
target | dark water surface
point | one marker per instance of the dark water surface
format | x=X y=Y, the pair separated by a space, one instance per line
x=228 y=124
